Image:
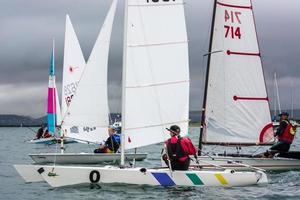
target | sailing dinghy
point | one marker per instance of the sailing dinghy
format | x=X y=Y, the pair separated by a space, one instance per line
x=86 y=117
x=152 y=99
x=235 y=107
x=53 y=108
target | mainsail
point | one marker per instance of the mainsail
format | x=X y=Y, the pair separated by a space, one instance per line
x=155 y=71
x=236 y=107
x=51 y=102
x=87 y=117
x=74 y=64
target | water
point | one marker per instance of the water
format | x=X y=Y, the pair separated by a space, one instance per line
x=14 y=150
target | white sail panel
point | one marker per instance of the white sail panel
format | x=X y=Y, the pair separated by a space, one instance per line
x=157 y=74
x=88 y=116
x=237 y=107
x=74 y=64
x=58 y=110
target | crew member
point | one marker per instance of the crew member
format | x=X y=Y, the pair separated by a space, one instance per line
x=285 y=134
x=178 y=150
x=112 y=143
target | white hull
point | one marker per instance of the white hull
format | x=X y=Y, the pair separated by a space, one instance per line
x=263 y=163
x=84 y=158
x=29 y=173
x=60 y=176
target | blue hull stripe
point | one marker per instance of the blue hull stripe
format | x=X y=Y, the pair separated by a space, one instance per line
x=164 y=179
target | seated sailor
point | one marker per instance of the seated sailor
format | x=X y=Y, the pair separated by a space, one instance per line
x=112 y=143
x=285 y=134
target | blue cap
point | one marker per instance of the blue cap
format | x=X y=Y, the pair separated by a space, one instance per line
x=283 y=113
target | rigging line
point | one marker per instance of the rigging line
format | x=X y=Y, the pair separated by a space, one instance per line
x=156 y=125
x=157 y=44
x=159 y=84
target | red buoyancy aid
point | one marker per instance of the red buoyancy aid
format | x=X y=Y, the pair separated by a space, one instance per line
x=180 y=148
x=288 y=134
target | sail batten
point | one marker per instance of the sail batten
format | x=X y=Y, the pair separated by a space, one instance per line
x=236 y=110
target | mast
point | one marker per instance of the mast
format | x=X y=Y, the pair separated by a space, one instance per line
x=206 y=79
x=124 y=83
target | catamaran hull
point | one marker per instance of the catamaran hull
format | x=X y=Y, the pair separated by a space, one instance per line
x=84 y=158
x=240 y=162
x=29 y=173
x=61 y=176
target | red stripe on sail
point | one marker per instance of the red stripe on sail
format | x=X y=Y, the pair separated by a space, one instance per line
x=242 y=53
x=235 y=98
x=234 y=6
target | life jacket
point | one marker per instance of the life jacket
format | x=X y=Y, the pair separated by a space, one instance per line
x=175 y=150
x=288 y=134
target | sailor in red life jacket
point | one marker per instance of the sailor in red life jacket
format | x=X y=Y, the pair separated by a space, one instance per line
x=178 y=150
x=285 y=134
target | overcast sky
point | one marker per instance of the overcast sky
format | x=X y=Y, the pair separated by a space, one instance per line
x=28 y=26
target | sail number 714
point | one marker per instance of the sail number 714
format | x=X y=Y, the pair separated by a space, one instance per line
x=232 y=18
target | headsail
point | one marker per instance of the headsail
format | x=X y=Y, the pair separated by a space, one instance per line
x=87 y=118
x=51 y=108
x=74 y=64
x=156 y=71
x=237 y=108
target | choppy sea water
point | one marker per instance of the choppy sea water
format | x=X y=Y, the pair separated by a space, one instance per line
x=14 y=150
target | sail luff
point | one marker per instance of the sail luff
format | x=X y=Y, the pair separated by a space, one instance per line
x=124 y=82
x=202 y=126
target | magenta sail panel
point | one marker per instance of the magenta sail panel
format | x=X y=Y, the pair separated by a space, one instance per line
x=51 y=101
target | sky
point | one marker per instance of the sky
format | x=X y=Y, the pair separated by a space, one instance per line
x=28 y=26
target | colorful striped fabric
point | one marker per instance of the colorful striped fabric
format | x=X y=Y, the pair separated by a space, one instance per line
x=165 y=180
x=51 y=108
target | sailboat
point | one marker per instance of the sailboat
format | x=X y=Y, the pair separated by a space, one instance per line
x=53 y=107
x=152 y=99
x=85 y=107
x=235 y=107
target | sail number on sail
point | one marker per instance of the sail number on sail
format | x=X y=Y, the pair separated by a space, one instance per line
x=70 y=91
x=233 y=17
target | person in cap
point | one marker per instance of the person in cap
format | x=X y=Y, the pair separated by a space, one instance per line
x=112 y=143
x=178 y=150
x=285 y=134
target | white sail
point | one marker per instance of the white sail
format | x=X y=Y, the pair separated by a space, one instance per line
x=237 y=107
x=87 y=118
x=156 y=73
x=74 y=64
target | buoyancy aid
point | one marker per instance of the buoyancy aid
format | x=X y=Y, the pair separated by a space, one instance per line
x=175 y=151
x=288 y=134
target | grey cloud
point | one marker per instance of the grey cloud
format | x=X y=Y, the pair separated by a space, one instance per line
x=28 y=26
